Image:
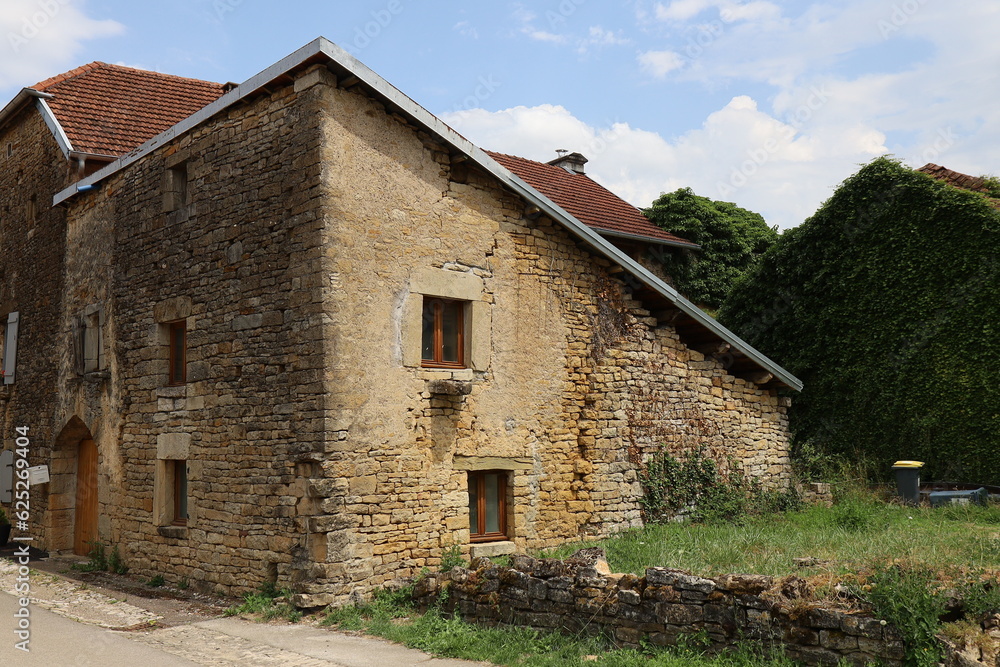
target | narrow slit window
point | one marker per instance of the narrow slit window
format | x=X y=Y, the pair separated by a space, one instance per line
x=488 y=506
x=443 y=337
x=177 y=373
x=180 y=493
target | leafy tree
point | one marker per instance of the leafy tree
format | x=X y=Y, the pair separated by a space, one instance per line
x=886 y=303
x=732 y=239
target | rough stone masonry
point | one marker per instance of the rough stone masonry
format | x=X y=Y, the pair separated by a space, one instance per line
x=295 y=235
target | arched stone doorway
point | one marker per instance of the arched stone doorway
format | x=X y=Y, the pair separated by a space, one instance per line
x=73 y=506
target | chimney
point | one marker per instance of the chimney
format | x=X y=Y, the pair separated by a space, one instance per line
x=571 y=162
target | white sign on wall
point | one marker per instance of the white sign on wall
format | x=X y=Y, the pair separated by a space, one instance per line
x=38 y=475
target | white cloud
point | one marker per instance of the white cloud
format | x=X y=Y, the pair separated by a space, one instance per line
x=598 y=37
x=681 y=10
x=660 y=63
x=740 y=154
x=466 y=29
x=751 y=11
x=729 y=10
x=545 y=36
x=858 y=78
x=39 y=39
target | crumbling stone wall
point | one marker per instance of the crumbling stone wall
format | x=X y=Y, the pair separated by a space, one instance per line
x=580 y=595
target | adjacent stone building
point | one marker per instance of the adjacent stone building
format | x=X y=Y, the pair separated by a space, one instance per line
x=299 y=330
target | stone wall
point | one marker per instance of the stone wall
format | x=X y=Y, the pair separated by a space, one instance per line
x=579 y=384
x=32 y=236
x=296 y=234
x=235 y=257
x=580 y=595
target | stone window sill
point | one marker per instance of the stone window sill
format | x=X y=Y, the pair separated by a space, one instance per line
x=172 y=391
x=490 y=549
x=175 y=532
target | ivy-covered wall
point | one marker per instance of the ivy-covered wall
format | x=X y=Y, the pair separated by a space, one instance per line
x=886 y=303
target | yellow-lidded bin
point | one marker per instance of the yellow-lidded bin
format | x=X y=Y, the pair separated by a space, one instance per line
x=908 y=480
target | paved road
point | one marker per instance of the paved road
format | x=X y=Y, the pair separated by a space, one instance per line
x=57 y=641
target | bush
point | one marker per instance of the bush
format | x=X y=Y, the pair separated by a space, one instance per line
x=269 y=603
x=694 y=488
x=908 y=598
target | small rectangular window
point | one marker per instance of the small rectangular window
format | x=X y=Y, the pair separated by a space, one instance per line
x=488 y=506
x=443 y=336
x=180 y=492
x=91 y=343
x=177 y=343
x=10 y=348
x=175 y=188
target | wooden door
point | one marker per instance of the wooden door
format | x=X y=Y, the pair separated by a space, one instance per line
x=85 y=525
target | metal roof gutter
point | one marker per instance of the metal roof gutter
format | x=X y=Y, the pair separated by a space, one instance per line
x=345 y=61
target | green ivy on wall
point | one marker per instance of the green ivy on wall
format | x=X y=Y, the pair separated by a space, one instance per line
x=886 y=303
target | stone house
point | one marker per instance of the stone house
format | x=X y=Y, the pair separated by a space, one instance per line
x=299 y=330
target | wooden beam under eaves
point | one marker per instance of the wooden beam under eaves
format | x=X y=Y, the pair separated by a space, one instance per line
x=713 y=348
x=759 y=378
x=667 y=315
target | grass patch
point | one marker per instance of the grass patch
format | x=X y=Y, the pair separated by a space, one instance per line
x=267 y=604
x=858 y=531
x=390 y=615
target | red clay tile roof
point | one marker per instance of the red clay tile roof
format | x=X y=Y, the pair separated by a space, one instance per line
x=109 y=109
x=585 y=199
x=955 y=178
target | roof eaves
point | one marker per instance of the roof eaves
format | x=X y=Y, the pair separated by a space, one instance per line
x=590 y=236
x=24 y=96
x=432 y=123
x=646 y=239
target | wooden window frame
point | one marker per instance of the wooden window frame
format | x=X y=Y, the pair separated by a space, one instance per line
x=175 y=329
x=180 y=492
x=477 y=533
x=437 y=306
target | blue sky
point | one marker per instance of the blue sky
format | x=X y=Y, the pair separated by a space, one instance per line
x=768 y=104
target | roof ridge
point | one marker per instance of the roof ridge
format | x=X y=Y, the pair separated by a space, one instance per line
x=149 y=72
x=99 y=65
x=955 y=178
x=75 y=72
x=591 y=202
x=571 y=174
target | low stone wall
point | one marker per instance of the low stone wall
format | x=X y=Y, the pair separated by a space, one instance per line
x=580 y=594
